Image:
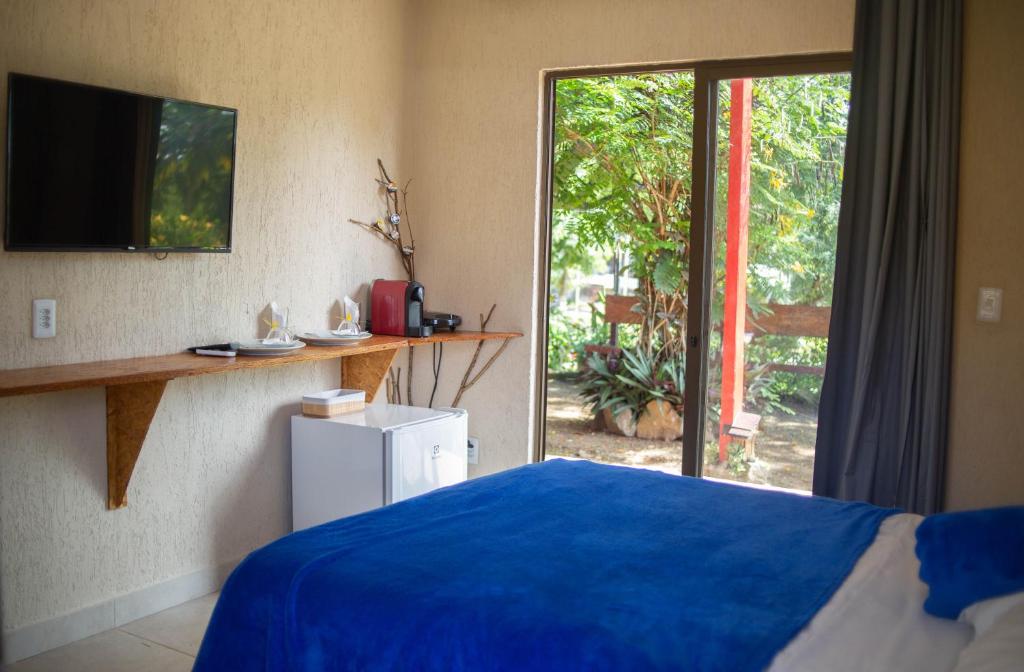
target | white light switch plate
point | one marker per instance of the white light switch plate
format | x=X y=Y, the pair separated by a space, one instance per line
x=990 y=304
x=473 y=450
x=44 y=318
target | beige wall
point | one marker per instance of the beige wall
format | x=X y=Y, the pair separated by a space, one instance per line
x=313 y=86
x=471 y=142
x=323 y=88
x=986 y=456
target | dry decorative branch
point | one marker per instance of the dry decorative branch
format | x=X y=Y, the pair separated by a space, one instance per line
x=394 y=387
x=390 y=230
x=468 y=379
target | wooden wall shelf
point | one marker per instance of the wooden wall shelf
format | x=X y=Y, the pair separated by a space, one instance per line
x=135 y=386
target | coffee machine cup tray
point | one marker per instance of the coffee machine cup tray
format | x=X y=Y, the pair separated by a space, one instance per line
x=439 y=321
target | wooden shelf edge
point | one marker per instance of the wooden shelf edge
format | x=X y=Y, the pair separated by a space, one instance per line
x=456 y=336
x=62 y=377
x=134 y=387
x=38 y=380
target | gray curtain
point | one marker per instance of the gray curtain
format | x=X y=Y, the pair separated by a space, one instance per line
x=882 y=426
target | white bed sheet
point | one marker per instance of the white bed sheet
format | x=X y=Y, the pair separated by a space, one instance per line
x=876 y=620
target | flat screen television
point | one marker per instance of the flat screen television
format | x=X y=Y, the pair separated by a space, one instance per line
x=90 y=168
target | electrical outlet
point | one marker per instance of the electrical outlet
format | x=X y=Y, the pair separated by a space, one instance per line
x=44 y=318
x=990 y=304
x=473 y=450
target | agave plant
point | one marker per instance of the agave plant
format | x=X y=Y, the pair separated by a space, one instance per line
x=632 y=382
x=605 y=388
x=662 y=380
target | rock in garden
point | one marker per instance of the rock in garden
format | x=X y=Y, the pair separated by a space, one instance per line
x=619 y=423
x=660 y=422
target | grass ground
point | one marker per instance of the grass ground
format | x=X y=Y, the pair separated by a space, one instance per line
x=784 y=453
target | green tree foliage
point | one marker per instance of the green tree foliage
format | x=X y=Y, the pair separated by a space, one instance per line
x=622 y=180
x=798 y=139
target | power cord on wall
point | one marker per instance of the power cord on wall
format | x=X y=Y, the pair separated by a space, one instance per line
x=436 y=353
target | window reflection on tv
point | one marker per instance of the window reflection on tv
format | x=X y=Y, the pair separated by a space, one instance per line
x=191 y=192
x=98 y=169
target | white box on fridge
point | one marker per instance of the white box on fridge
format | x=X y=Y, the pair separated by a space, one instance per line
x=359 y=461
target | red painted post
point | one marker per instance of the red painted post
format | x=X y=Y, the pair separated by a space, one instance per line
x=738 y=219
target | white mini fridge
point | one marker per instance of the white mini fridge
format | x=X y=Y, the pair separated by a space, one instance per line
x=385 y=453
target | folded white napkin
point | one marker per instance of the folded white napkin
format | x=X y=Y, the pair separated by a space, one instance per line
x=278 y=326
x=350 y=320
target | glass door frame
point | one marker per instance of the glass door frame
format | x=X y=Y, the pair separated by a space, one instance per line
x=707 y=77
x=545 y=218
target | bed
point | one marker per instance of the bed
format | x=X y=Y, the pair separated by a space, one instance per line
x=570 y=565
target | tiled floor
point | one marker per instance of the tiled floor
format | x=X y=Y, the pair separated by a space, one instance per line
x=164 y=642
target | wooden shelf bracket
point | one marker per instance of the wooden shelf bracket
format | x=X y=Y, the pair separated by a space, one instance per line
x=366 y=372
x=130 y=410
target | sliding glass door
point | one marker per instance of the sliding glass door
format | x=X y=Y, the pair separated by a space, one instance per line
x=691 y=216
x=769 y=145
x=618 y=255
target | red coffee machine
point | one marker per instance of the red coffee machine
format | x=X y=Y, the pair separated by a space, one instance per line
x=396 y=309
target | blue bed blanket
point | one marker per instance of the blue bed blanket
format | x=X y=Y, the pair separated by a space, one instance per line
x=554 y=566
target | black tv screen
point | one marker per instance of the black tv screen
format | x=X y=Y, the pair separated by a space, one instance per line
x=90 y=168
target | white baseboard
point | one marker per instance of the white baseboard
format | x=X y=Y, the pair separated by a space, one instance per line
x=60 y=630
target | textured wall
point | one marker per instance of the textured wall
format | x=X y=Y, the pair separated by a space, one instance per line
x=316 y=83
x=473 y=147
x=312 y=82
x=986 y=458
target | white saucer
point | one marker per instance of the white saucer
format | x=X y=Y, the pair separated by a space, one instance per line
x=260 y=349
x=325 y=337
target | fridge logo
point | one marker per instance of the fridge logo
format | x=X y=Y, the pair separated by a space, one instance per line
x=436 y=450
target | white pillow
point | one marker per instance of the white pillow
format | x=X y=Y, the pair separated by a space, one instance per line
x=999 y=647
x=983 y=615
